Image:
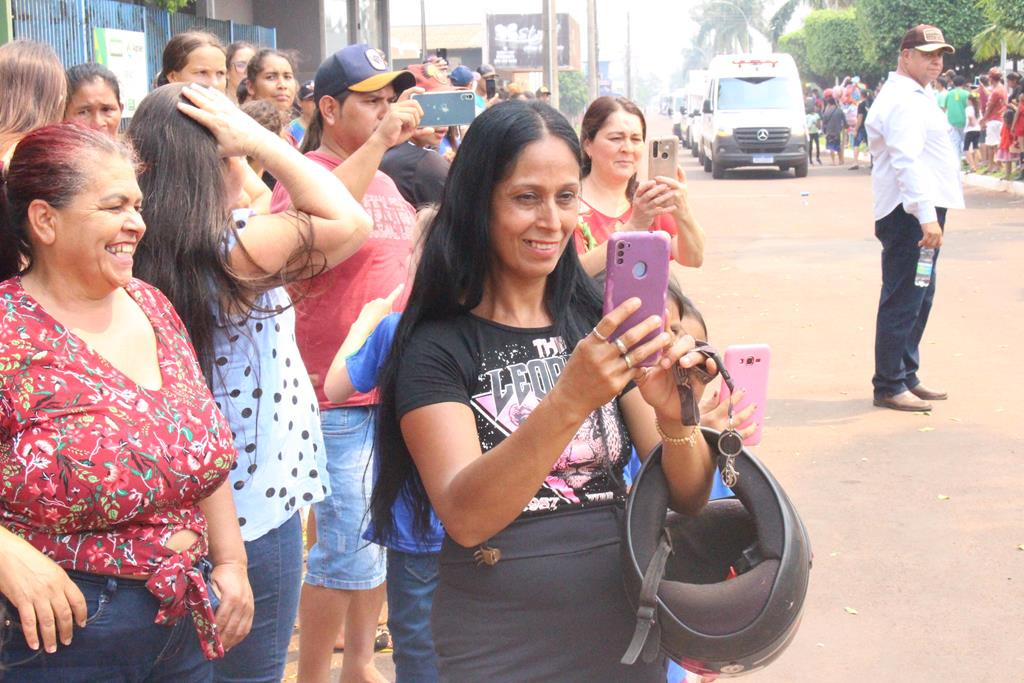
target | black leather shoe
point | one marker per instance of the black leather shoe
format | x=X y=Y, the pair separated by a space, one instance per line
x=904 y=401
x=926 y=394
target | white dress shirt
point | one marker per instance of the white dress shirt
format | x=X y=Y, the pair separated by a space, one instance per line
x=915 y=162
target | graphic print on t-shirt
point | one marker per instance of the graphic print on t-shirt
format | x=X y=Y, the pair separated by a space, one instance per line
x=512 y=382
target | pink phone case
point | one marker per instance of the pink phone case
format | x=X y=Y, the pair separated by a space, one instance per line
x=748 y=366
x=638 y=266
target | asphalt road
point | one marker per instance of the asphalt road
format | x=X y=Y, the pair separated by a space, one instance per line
x=916 y=522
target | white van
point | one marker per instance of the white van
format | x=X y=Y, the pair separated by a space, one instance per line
x=753 y=115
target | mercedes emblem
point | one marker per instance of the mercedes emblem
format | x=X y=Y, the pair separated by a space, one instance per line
x=762 y=135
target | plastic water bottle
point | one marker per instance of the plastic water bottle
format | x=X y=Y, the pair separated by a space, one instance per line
x=805 y=197
x=925 y=263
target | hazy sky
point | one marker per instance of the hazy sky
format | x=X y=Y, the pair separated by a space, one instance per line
x=660 y=29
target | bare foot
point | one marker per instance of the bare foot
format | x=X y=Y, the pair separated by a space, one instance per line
x=367 y=674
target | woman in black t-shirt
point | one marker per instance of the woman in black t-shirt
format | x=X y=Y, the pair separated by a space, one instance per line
x=505 y=407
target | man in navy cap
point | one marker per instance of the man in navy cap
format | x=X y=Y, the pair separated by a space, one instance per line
x=362 y=110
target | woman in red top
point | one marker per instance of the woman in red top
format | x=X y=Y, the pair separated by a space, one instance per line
x=613 y=133
x=113 y=457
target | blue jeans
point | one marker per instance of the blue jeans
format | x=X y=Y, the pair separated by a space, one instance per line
x=341 y=558
x=903 y=308
x=412 y=580
x=119 y=642
x=275 y=574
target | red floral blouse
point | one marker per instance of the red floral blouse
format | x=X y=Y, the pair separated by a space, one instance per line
x=98 y=472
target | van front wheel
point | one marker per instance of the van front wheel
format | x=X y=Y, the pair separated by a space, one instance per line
x=801 y=170
x=707 y=163
x=717 y=170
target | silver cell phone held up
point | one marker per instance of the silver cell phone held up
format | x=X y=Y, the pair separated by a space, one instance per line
x=449 y=108
x=661 y=157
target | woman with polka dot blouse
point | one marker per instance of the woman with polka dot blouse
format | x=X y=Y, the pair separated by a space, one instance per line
x=226 y=273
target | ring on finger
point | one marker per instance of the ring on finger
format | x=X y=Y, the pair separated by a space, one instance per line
x=598 y=335
x=621 y=346
x=629 y=361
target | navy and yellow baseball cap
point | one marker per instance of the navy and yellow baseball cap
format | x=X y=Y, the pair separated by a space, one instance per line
x=359 y=68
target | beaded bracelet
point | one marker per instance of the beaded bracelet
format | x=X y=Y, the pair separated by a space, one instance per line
x=689 y=440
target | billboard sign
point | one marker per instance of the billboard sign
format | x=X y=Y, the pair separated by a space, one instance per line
x=516 y=41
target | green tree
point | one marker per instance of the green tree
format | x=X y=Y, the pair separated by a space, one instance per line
x=646 y=87
x=833 y=43
x=1007 y=15
x=169 y=5
x=1007 y=26
x=725 y=25
x=884 y=22
x=572 y=93
x=795 y=44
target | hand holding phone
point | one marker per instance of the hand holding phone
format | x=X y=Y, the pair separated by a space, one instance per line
x=448 y=108
x=748 y=366
x=662 y=157
x=637 y=266
x=491 y=86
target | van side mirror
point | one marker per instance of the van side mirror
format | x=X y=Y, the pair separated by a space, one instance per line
x=706 y=107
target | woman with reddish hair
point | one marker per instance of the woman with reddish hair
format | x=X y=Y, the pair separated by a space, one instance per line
x=613 y=134
x=115 y=511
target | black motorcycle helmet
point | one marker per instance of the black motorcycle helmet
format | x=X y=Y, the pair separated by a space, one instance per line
x=720 y=593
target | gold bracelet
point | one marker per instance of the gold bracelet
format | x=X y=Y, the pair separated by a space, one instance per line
x=689 y=440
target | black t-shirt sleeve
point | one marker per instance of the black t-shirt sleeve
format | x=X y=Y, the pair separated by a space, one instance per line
x=433 y=370
x=431 y=174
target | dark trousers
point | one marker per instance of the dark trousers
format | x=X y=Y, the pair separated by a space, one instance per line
x=903 y=307
x=813 y=146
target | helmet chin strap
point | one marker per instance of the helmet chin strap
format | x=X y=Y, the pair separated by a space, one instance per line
x=647 y=634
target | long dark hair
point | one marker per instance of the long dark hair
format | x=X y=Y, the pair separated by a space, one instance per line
x=50 y=164
x=188 y=223
x=453 y=269
x=593 y=120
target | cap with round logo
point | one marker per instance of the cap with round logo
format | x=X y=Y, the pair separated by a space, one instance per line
x=925 y=38
x=359 y=68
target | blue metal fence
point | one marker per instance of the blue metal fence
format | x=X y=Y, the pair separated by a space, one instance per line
x=67 y=26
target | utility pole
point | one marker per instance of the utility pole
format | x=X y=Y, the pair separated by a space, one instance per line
x=423 y=30
x=629 y=58
x=594 y=74
x=550 y=19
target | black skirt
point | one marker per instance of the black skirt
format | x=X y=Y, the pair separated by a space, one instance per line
x=552 y=609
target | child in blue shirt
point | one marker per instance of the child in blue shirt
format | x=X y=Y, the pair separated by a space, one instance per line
x=412 y=558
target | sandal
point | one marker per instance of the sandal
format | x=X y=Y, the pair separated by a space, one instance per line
x=382 y=642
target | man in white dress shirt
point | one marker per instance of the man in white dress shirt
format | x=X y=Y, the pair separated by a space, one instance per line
x=916 y=177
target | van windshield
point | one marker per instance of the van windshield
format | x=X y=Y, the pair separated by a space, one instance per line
x=760 y=92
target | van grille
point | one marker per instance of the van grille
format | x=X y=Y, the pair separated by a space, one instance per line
x=748 y=141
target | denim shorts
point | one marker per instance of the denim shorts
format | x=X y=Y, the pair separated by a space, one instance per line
x=341 y=558
x=119 y=642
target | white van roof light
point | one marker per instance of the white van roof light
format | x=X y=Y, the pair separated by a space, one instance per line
x=755 y=62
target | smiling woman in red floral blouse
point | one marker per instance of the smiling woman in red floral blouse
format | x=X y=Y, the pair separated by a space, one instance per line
x=113 y=456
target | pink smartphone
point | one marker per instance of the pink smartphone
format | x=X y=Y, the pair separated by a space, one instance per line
x=748 y=366
x=637 y=266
